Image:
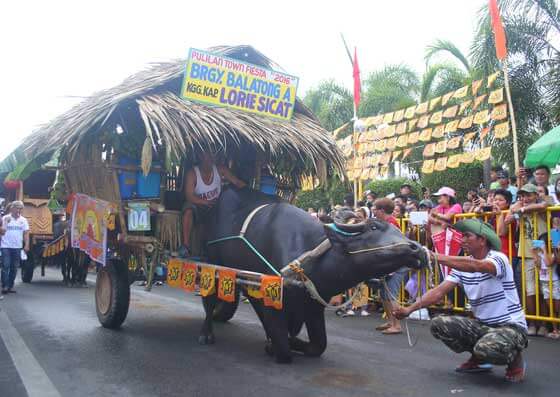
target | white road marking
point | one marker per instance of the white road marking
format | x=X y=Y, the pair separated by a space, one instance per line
x=34 y=378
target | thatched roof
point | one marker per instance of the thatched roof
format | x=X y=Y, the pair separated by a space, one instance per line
x=151 y=99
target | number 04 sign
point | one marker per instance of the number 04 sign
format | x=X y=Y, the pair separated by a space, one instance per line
x=139 y=217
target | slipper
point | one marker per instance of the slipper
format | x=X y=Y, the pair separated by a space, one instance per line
x=383 y=327
x=512 y=374
x=388 y=331
x=473 y=368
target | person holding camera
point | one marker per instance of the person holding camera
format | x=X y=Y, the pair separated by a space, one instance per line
x=15 y=236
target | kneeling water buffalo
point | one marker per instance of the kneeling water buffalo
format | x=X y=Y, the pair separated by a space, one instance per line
x=281 y=232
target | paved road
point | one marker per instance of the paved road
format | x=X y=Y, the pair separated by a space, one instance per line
x=52 y=345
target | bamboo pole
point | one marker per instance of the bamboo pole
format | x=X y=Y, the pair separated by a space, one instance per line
x=512 y=117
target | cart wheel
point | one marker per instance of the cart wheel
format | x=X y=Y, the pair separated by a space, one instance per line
x=112 y=294
x=224 y=311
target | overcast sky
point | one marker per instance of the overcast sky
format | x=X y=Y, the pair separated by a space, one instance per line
x=54 y=52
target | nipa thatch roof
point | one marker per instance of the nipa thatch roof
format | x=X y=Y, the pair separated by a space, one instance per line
x=184 y=127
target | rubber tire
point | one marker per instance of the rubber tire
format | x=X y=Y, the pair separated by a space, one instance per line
x=119 y=301
x=224 y=311
x=27 y=268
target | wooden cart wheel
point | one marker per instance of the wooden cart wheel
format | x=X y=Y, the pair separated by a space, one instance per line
x=112 y=294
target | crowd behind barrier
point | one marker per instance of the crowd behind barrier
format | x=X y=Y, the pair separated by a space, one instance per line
x=526 y=219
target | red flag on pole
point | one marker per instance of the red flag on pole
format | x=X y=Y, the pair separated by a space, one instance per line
x=356 y=73
x=498 y=28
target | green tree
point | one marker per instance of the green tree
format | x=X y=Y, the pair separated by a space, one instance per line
x=332 y=103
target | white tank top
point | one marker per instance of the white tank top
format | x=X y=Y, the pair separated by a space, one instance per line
x=211 y=191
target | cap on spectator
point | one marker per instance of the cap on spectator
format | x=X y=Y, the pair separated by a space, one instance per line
x=445 y=190
x=528 y=188
x=425 y=203
x=503 y=174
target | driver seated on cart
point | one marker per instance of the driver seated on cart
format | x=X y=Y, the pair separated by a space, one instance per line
x=203 y=186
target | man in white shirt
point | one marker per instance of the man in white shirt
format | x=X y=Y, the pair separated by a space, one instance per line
x=15 y=236
x=498 y=332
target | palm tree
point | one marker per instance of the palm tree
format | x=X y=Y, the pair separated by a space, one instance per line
x=331 y=103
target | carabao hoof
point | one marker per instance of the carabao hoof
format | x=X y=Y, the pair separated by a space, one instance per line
x=206 y=339
x=268 y=349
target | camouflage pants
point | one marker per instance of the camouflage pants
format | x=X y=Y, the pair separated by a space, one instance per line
x=494 y=345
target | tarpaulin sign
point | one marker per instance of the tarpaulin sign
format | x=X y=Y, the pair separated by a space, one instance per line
x=188 y=277
x=89 y=226
x=226 y=285
x=221 y=81
x=271 y=288
x=207 y=281
x=174 y=269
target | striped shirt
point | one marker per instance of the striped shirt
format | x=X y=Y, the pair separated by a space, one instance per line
x=493 y=299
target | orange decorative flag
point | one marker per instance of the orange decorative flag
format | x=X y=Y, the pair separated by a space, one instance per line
x=422 y=108
x=388 y=118
x=357 y=82
x=453 y=143
x=483 y=133
x=406 y=153
x=454 y=161
x=391 y=143
x=451 y=126
x=383 y=171
x=461 y=92
x=446 y=98
x=423 y=121
x=450 y=112
x=412 y=124
x=466 y=122
x=468 y=137
x=499 y=112
x=271 y=289
x=477 y=101
x=188 y=277
x=441 y=164
x=464 y=106
x=425 y=135
x=481 y=117
x=410 y=112
x=401 y=128
x=385 y=158
x=475 y=86
x=428 y=166
x=390 y=131
x=373 y=173
x=377 y=120
x=434 y=102
x=380 y=145
x=501 y=130
x=226 y=285
x=467 y=157
x=483 y=154
x=402 y=141
x=436 y=117
x=496 y=96
x=413 y=137
x=429 y=150
x=396 y=155
x=365 y=174
x=398 y=116
x=492 y=78
x=441 y=146
x=438 y=131
x=174 y=268
x=498 y=28
x=207 y=281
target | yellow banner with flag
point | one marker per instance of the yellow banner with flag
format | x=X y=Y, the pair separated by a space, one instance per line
x=271 y=289
x=174 y=268
x=207 y=281
x=226 y=285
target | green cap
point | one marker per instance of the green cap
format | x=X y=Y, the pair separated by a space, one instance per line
x=480 y=229
x=528 y=188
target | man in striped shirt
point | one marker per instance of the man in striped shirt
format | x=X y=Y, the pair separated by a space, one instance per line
x=498 y=332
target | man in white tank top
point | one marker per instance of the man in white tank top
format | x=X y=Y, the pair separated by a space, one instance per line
x=203 y=186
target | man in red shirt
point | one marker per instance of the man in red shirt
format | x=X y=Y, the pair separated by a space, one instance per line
x=383 y=209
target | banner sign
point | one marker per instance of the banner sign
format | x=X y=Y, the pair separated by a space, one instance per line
x=221 y=81
x=139 y=217
x=188 y=277
x=89 y=226
x=226 y=285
